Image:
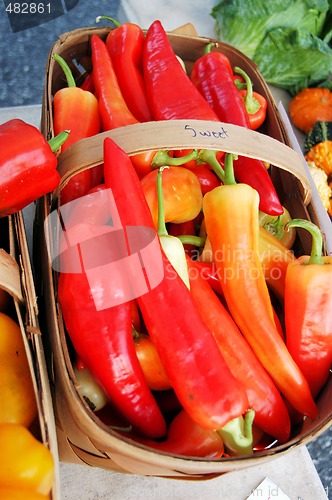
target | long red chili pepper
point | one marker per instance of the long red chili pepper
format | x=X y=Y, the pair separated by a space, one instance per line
x=235 y=245
x=103 y=338
x=192 y=360
x=308 y=310
x=28 y=165
x=76 y=110
x=175 y=99
x=270 y=411
x=125 y=45
x=212 y=77
x=113 y=109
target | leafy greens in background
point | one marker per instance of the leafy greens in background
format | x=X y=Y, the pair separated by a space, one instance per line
x=290 y=41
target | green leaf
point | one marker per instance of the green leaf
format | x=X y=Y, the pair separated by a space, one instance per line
x=245 y=23
x=293 y=59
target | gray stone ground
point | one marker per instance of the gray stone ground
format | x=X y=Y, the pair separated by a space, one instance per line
x=23 y=57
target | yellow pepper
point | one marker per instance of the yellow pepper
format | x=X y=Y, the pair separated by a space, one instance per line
x=18 y=400
x=26 y=464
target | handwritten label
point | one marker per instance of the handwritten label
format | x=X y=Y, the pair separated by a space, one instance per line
x=216 y=134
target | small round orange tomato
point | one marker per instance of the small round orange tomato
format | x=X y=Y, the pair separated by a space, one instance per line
x=18 y=400
x=152 y=367
x=181 y=192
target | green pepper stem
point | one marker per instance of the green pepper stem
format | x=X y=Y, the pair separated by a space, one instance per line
x=252 y=104
x=108 y=18
x=162 y=159
x=162 y=231
x=237 y=434
x=209 y=156
x=66 y=69
x=209 y=46
x=317 y=239
x=229 y=169
x=56 y=142
x=272 y=223
x=189 y=239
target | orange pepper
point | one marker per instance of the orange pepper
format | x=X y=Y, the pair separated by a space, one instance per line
x=26 y=464
x=18 y=400
x=231 y=220
x=181 y=192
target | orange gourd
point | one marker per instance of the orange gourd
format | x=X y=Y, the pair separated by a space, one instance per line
x=309 y=106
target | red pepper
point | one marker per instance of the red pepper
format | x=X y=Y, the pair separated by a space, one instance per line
x=27 y=165
x=76 y=110
x=125 y=45
x=308 y=306
x=186 y=438
x=211 y=396
x=88 y=83
x=113 y=109
x=212 y=76
x=270 y=411
x=103 y=338
x=170 y=92
x=255 y=103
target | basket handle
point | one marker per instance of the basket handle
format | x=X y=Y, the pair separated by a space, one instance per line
x=184 y=134
x=10 y=279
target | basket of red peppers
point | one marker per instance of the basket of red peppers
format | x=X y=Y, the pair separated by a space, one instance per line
x=179 y=258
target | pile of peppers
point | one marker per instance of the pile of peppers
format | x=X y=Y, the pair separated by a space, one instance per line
x=27 y=466
x=209 y=359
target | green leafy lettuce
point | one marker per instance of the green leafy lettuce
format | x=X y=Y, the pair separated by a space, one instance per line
x=288 y=40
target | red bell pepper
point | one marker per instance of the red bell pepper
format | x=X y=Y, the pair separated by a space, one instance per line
x=187 y=349
x=113 y=109
x=270 y=411
x=170 y=92
x=102 y=338
x=234 y=240
x=125 y=45
x=212 y=77
x=308 y=307
x=27 y=165
x=76 y=110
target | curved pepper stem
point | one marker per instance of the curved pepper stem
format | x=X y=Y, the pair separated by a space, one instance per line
x=208 y=47
x=317 y=239
x=162 y=231
x=229 y=170
x=237 y=434
x=171 y=245
x=163 y=159
x=108 y=18
x=66 y=69
x=56 y=142
x=252 y=104
x=189 y=239
x=209 y=156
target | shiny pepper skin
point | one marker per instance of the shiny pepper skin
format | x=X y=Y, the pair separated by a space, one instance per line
x=18 y=401
x=26 y=464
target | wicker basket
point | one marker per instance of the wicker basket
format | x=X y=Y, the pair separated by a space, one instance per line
x=82 y=437
x=17 y=279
